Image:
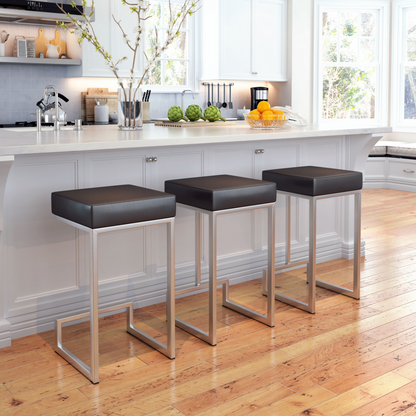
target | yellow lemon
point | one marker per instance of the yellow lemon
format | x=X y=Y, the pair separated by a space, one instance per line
x=263 y=106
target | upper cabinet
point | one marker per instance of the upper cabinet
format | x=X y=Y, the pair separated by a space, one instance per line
x=244 y=40
x=110 y=37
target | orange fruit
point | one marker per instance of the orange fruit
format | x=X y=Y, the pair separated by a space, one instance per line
x=254 y=112
x=277 y=111
x=267 y=113
x=255 y=116
x=263 y=106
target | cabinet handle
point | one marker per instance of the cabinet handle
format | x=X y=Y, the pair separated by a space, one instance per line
x=151 y=159
x=408 y=171
x=259 y=151
x=254 y=73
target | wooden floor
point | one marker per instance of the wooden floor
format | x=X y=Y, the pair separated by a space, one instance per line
x=351 y=357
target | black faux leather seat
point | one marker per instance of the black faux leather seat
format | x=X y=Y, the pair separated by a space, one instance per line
x=220 y=192
x=314 y=180
x=113 y=205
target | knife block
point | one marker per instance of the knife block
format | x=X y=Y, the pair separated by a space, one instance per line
x=146 y=111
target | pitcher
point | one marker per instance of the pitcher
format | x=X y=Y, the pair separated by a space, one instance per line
x=52 y=51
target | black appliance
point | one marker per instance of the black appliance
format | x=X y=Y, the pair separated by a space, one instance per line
x=41 y=6
x=258 y=94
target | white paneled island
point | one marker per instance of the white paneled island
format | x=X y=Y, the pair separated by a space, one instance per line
x=44 y=262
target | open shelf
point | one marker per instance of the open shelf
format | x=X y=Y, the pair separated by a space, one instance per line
x=40 y=61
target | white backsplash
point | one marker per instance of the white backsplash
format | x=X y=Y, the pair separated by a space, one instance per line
x=21 y=87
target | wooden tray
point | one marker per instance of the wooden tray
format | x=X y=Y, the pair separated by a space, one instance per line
x=194 y=123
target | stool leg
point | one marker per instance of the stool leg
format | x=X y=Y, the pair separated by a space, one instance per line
x=271 y=249
x=170 y=295
x=94 y=307
x=288 y=229
x=357 y=245
x=311 y=268
x=197 y=248
x=212 y=278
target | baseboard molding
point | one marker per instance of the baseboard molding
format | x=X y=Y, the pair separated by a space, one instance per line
x=5 y=334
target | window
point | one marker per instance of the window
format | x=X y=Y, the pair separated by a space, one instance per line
x=404 y=66
x=351 y=42
x=175 y=67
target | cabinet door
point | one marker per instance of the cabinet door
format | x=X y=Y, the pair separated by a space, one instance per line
x=110 y=37
x=269 y=40
x=235 y=39
x=119 y=48
x=93 y=64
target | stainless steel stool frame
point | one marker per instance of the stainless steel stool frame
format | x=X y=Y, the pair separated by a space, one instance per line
x=268 y=319
x=311 y=262
x=169 y=349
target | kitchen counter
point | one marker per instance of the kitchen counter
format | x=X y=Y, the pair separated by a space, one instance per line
x=44 y=263
x=26 y=140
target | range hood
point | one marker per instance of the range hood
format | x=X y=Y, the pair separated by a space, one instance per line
x=23 y=16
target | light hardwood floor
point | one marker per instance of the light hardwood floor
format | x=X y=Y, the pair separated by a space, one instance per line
x=351 y=357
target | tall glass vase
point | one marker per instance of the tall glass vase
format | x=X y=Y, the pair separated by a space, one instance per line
x=130 y=114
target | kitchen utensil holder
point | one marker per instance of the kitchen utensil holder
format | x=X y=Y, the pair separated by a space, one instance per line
x=146 y=111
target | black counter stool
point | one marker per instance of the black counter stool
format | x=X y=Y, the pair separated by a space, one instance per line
x=314 y=183
x=214 y=196
x=107 y=209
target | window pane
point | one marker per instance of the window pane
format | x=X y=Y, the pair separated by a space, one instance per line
x=368 y=24
x=411 y=50
x=178 y=49
x=367 y=50
x=154 y=15
x=329 y=50
x=410 y=93
x=348 y=49
x=411 y=23
x=348 y=93
x=349 y=24
x=154 y=75
x=329 y=24
x=151 y=41
x=175 y=8
x=176 y=73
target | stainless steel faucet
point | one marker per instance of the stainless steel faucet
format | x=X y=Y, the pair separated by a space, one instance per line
x=183 y=93
x=45 y=96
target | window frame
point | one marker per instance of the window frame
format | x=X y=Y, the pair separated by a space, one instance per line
x=399 y=123
x=191 y=59
x=383 y=10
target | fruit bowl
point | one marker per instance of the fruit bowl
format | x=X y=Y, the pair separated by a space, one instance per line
x=276 y=122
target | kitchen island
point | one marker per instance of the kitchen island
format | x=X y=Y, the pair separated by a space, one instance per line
x=44 y=262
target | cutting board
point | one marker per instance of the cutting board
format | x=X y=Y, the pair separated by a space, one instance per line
x=40 y=44
x=182 y=124
x=88 y=102
x=58 y=42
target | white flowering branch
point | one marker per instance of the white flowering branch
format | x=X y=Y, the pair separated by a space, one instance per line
x=85 y=31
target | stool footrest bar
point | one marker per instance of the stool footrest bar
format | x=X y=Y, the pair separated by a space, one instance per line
x=74 y=361
x=193 y=330
x=247 y=312
x=338 y=289
x=289 y=265
x=293 y=302
x=200 y=287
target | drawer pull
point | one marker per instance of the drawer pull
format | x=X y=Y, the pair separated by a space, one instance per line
x=408 y=171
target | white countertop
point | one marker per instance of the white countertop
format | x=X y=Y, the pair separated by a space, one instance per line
x=27 y=141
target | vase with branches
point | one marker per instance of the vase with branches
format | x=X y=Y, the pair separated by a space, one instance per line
x=129 y=93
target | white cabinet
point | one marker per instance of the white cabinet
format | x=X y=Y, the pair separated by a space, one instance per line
x=244 y=40
x=109 y=35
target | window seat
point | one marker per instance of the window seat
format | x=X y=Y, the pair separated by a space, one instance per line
x=391 y=165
